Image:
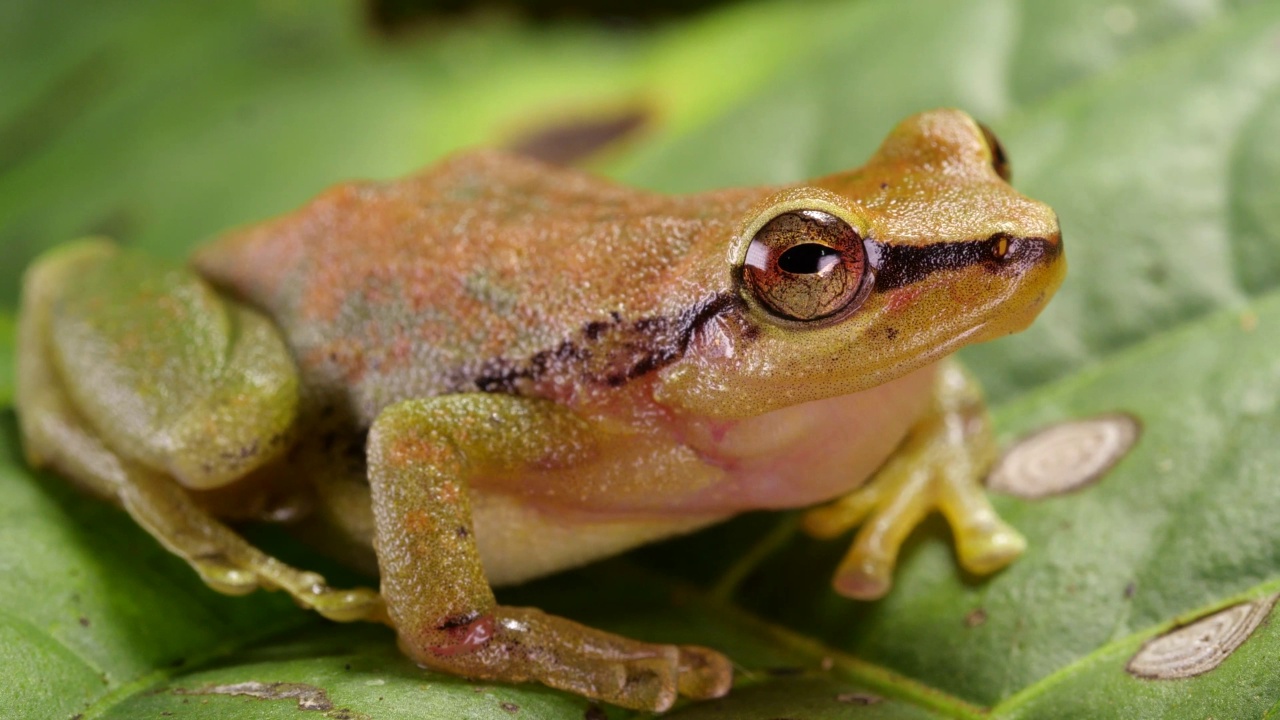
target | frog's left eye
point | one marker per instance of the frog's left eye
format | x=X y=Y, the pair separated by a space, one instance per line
x=999 y=160
x=805 y=265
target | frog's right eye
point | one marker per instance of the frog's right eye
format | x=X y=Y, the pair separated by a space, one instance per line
x=806 y=265
x=999 y=160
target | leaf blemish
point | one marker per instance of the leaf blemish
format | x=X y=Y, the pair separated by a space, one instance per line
x=975 y=617
x=859 y=698
x=1201 y=646
x=1065 y=457
x=308 y=697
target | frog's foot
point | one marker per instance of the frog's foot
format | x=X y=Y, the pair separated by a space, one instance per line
x=522 y=644
x=422 y=455
x=222 y=558
x=892 y=505
x=228 y=563
x=938 y=467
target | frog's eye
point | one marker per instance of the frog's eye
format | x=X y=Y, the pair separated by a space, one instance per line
x=805 y=265
x=999 y=160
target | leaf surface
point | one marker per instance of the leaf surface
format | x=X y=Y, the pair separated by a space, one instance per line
x=1149 y=127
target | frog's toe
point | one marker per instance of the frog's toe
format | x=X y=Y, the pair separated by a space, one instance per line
x=226 y=578
x=984 y=542
x=704 y=673
x=347 y=605
x=643 y=684
x=863 y=578
x=890 y=507
x=644 y=678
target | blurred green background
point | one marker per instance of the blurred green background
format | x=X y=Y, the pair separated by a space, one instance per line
x=1149 y=125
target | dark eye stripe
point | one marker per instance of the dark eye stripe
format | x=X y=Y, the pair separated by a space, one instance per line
x=901 y=265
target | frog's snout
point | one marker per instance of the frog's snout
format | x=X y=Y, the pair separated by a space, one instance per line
x=1039 y=266
x=1028 y=252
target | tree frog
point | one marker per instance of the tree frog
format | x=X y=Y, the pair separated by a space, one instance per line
x=496 y=369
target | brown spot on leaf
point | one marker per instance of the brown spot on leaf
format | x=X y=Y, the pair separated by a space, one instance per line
x=975 y=618
x=308 y=697
x=1065 y=457
x=859 y=698
x=572 y=140
x=1202 y=645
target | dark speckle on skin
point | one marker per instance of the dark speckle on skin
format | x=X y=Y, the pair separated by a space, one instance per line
x=510 y=707
x=84 y=621
x=458 y=621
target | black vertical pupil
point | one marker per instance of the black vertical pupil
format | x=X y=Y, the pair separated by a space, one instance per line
x=807 y=258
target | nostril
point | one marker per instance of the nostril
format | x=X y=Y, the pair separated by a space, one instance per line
x=1002 y=247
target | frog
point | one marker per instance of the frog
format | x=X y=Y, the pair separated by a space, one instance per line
x=496 y=369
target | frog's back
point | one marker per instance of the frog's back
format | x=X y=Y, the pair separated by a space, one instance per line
x=469 y=276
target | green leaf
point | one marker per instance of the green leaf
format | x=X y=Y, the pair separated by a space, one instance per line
x=1149 y=127
x=8 y=330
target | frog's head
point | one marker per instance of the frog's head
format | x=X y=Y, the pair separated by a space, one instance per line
x=854 y=279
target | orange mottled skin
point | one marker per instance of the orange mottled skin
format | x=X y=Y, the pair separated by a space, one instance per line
x=419 y=287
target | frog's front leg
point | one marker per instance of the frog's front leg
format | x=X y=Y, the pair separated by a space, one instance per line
x=939 y=466
x=422 y=456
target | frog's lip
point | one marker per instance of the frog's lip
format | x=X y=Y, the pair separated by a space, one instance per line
x=1006 y=318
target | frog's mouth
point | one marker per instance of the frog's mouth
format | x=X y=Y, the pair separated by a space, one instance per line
x=1006 y=282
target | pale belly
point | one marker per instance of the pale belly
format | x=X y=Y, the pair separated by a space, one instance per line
x=794 y=457
x=518 y=543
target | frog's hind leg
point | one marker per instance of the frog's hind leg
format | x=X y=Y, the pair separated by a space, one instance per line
x=124 y=387
x=938 y=467
x=422 y=456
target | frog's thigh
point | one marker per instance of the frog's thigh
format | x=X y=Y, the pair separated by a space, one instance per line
x=939 y=466
x=57 y=434
x=422 y=455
